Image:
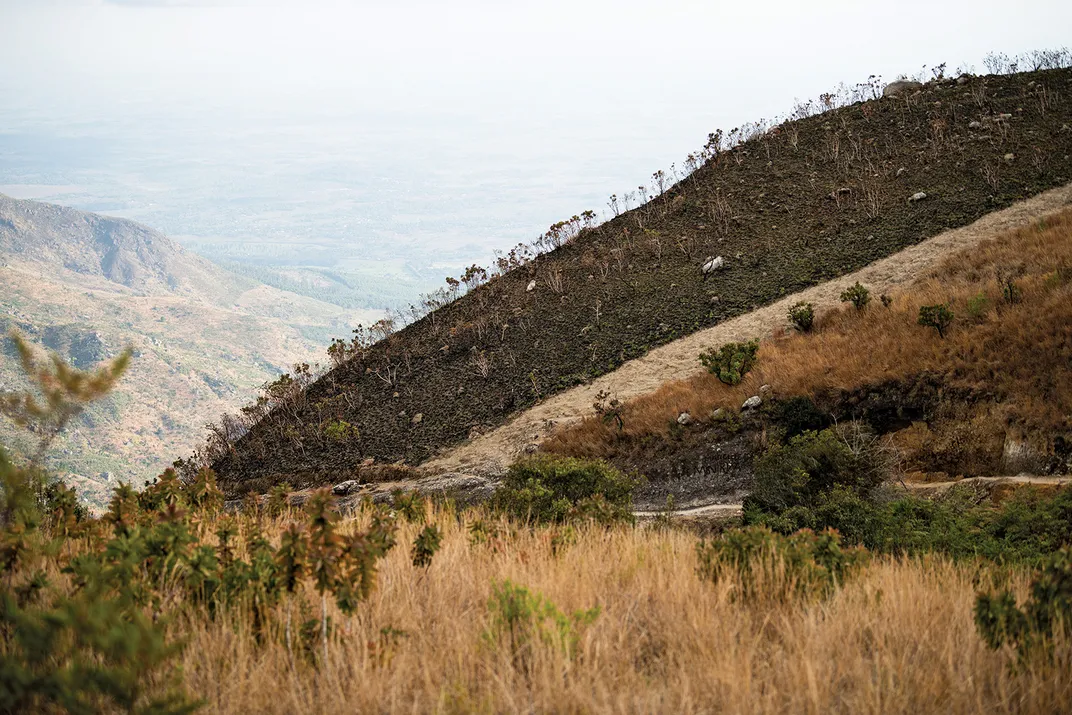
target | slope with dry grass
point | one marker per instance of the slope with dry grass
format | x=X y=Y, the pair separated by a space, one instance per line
x=1000 y=377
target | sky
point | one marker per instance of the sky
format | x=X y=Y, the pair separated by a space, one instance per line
x=579 y=98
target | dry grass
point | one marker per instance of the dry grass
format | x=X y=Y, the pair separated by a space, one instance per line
x=1016 y=356
x=900 y=639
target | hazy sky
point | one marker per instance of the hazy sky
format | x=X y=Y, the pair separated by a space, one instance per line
x=568 y=60
x=538 y=109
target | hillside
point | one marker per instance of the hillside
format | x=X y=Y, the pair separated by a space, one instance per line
x=86 y=286
x=789 y=207
x=992 y=397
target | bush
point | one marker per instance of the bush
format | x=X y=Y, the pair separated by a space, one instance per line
x=811 y=464
x=1029 y=629
x=938 y=317
x=857 y=295
x=340 y=431
x=772 y=567
x=546 y=489
x=797 y=415
x=802 y=316
x=524 y=618
x=731 y=362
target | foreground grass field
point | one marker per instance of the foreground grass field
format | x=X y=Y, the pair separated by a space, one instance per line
x=899 y=639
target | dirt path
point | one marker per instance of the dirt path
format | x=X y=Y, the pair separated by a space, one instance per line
x=490 y=453
x=708 y=511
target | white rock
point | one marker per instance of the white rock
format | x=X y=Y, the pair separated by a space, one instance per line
x=712 y=264
x=765 y=391
x=752 y=402
x=531 y=286
x=718 y=414
x=684 y=419
x=417 y=418
x=1010 y=157
x=900 y=87
x=975 y=125
x=918 y=196
x=348 y=487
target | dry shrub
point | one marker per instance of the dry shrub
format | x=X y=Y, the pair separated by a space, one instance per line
x=1015 y=354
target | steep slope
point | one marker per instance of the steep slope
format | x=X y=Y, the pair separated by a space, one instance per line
x=86 y=286
x=791 y=207
x=491 y=453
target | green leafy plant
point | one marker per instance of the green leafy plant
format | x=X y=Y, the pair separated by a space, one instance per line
x=731 y=362
x=939 y=317
x=523 y=619
x=767 y=566
x=426 y=545
x=1030 y=628
x=546 y=488
x=977 y=306
x=858 y=295
x=340 y=431
x=802 y=316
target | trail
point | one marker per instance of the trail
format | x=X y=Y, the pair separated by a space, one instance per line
x=492 y=452
x=707 y=511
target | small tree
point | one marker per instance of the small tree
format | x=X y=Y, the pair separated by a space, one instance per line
x=731 y=362
x=938 y=317
x=802 y=316
x=857 y=295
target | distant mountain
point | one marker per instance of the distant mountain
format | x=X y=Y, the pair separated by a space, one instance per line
x=119 y=250
x=85 y=286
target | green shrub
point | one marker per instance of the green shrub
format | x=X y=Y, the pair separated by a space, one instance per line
x=939 y=317
x=1031 y=628
x=772 y=567
x=977 y=306
x=811 y=464
x=340 y=431
x=546 y=488
x=731 y=362
x=523 y=618
x=797 y=415
x=802 y=316
x=857 y=295
x=426 y=545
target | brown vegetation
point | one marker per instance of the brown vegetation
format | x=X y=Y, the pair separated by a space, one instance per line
x=1011 y=357
x=899 y=639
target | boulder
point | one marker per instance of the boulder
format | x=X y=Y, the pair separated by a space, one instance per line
x=918 y=196
x=684 y=419
x=530 y=287
x=417 y=418
x=901 y=86
x=752 y=402
x=344 y=488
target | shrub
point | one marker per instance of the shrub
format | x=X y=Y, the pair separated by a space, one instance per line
x=811 y=464
x=1031 y=628
x=857 y=295
x=340 y=431
x=802 y=316
x=524 y=618
x=939 y=317
x=546 y=489
x=797 y=415
x=977 y=306
x=426 y=545
x=731 y=362
x=772 y=567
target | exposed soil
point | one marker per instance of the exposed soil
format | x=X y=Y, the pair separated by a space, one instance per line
x=819 y=198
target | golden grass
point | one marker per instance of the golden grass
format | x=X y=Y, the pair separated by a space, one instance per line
x=1015 y=356
x=900 y=639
